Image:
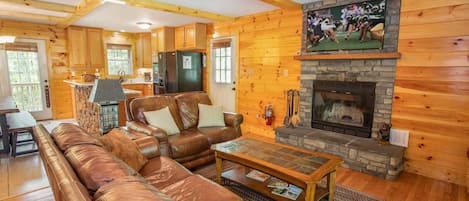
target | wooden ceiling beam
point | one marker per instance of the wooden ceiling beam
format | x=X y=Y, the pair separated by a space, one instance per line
x=154 y=5
x=30 y=16
x=285 y=4
x=44 y=5
x=85 y=7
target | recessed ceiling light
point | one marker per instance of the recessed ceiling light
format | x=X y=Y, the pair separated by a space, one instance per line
x=122 y=30
x=114 y=1
x=144 y=25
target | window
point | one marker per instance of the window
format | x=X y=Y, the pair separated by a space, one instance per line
x=119 y=58
x=222 y=60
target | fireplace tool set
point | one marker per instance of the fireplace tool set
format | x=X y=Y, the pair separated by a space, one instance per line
x=292 y=119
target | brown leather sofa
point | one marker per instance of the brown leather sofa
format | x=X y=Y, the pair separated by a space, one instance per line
x=191 y=147
x=80 y=169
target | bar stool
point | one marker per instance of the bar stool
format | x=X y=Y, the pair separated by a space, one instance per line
x=21 y=124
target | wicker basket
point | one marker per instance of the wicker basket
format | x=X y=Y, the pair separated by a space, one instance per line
x=88 y=77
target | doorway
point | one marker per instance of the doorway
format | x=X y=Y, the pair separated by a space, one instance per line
x=26 y=64
x=223 y=73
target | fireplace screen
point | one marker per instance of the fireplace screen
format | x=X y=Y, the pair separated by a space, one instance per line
x=344 y=107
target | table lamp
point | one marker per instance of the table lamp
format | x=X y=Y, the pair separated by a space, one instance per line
x=107 y=94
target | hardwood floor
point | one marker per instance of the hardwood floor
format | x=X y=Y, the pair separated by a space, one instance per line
x=21 y=175
x=24 y=179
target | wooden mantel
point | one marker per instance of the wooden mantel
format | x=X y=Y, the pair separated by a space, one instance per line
x=387 y=55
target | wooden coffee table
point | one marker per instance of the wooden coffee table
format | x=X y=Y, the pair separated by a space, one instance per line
x=300 y=167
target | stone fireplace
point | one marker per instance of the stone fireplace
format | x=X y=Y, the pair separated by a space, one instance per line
x=343 y=107
x=350 y=96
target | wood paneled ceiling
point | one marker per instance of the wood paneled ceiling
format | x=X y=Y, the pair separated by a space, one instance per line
x=124 y=14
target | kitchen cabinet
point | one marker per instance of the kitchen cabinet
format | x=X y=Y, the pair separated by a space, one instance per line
x=144 y=51
x=165 y=37
x=191 y=37
x=85 y=47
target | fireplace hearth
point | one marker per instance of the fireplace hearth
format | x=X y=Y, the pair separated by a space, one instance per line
x=343 y=107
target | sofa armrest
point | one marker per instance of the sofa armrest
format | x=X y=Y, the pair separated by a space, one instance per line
x=159 y=133
x=149 y=146
x=234 y=120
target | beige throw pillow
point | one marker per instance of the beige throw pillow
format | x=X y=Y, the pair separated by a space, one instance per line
x=162 y=119
x=210 y=116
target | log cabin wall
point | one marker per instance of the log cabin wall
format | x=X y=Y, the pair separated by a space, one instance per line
x=56 y=44
x=266 y=68
x=431 y=94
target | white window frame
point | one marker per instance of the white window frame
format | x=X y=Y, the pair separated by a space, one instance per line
x=129 y=68
x=216 y=64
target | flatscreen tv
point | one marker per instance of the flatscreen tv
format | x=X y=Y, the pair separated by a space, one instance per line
x=347 y=27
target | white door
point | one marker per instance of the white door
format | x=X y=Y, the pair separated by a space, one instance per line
x=28 y=76
x=223 y=73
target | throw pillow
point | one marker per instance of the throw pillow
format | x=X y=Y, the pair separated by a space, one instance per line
x=162 y=119
x=210 y=115
x=124 y=148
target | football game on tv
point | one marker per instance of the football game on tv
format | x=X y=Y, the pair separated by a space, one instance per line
x=347 y=27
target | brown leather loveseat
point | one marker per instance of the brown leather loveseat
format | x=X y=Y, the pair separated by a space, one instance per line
x=191 y=147
x=80 y=169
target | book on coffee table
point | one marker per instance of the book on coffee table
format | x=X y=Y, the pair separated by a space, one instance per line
x=277 y=183
x=292 y=192
x=257 y=175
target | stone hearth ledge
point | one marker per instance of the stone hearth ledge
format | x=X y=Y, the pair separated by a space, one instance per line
x=361 y=154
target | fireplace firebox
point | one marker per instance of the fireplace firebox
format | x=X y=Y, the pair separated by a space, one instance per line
x=343 y=107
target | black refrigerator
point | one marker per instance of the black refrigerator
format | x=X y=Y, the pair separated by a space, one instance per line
x=178 y=72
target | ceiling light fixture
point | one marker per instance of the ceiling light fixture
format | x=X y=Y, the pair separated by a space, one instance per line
x=115 y=1
x=7 y=39
x=143 y=25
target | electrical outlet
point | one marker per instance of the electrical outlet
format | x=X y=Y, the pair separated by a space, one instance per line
x=399 y=137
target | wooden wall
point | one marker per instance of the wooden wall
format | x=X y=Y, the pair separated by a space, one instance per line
x=57 y=60
x=432 y=87
x=267 y=44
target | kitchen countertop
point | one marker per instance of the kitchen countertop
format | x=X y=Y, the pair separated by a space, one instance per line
x=81 y=83
x=90 y=84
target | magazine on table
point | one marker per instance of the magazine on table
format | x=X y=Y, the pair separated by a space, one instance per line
x=258 y=175
x=277 y=183
x=282 y=188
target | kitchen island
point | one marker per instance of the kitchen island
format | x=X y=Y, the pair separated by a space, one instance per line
x=87 y=113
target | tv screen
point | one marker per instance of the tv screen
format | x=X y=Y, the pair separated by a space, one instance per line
x=347 y=27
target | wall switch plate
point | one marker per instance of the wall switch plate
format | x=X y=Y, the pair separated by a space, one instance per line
x=285 y=72
x=399 y=137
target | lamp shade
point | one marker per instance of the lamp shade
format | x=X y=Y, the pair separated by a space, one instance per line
x=105 y=91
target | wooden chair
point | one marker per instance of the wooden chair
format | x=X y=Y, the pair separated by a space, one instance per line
x=21 y=124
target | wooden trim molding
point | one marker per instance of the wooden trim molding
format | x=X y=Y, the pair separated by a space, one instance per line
x=160 y=6
x=385 y=55
x=285 y=4
x=44 y=5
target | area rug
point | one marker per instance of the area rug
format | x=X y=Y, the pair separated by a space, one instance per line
x=342 y=193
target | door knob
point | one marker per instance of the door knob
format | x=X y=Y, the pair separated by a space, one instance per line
x=233 y=89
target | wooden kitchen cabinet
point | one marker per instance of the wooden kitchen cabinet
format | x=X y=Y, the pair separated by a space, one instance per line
x=192 y=36
x=148 y=90
x=85 y=47
x=144 y=51
x=165 y=37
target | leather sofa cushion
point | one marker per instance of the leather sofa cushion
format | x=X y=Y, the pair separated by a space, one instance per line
x=196 y=187
x=188 y=107
x=163 y=171
x=95 y=166
x=219 y=134
x=67 y=135
x=129 y=188
x=188 y=142
x=140 y=105
x=124 y=148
